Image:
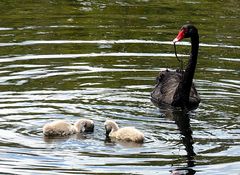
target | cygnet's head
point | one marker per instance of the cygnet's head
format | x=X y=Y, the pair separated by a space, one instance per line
x=84 y=125
x=110 y=126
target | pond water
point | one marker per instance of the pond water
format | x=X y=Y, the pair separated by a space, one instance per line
x=99 y=59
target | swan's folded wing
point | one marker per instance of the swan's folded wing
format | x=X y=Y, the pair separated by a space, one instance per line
x=165 y=87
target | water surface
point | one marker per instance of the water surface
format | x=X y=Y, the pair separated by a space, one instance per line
x=98 y=60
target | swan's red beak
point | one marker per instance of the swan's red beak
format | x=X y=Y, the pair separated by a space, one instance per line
x=180 y=36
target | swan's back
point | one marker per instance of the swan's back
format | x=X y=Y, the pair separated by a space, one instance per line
x=167 y=83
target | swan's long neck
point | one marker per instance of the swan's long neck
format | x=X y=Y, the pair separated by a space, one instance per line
x=181 y=96
x=114 y=127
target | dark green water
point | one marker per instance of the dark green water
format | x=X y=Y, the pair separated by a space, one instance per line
x=98 y=60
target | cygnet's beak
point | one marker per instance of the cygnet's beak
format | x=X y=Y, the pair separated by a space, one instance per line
x=107 y=131
x=88 y=127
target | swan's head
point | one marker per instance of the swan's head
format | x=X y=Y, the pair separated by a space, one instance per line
x=186 y=31
x=110 y=126
x=84 y=125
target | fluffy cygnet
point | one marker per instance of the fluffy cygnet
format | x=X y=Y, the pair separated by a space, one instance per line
x=126 y=133
x=63 y=128
x=58 y=128
x=84 y=125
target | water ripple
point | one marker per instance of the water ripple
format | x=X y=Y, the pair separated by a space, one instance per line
x=102 y=54
x=131 y=41
x=98 y=60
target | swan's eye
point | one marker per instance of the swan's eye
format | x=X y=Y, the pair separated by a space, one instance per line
x=185 y=30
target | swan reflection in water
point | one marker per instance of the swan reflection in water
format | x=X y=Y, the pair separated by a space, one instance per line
x=182 y=120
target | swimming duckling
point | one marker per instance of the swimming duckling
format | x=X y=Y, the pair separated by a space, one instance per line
x=126 y=133
x=63 y=128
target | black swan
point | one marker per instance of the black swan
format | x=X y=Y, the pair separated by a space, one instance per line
x=176 y=88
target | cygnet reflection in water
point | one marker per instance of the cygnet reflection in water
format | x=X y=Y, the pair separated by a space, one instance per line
x=61 y=139
x=128 y=144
